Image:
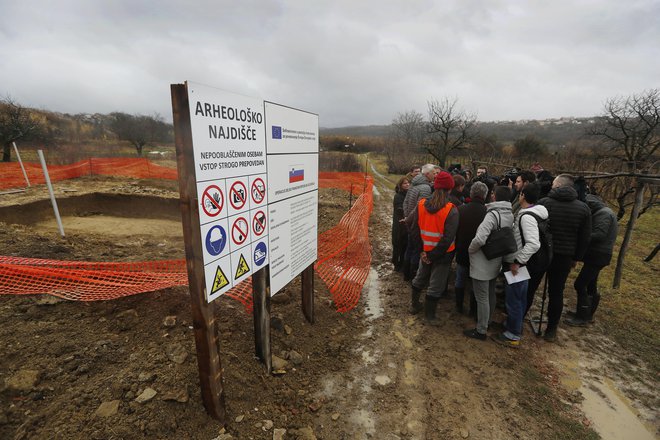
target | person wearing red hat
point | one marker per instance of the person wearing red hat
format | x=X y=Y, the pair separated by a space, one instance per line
x=434 y=221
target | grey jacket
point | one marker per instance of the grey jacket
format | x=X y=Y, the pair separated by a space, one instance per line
x=481 y=268
x=604 y=229
x=421 y=189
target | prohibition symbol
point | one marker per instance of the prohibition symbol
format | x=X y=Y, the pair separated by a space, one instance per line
x=212 y=201
x=239 y=230
x=258 y=190
x=242 y=268
x=237 y=195
x=220 y=280
x=259 y=223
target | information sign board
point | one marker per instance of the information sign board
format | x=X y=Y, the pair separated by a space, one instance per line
x=228 y=136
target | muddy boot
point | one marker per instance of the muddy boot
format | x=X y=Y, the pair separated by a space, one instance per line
x=415 y=305
x=581 y=319
x=550 y=335
x=583 y=315
x=430 y=304
x=460 y=295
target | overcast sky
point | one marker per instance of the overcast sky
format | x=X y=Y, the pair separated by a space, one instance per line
x=354 y=62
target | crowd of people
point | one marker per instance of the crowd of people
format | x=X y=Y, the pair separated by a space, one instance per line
x=524 y=226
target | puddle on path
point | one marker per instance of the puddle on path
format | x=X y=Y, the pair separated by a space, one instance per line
x=374 y=307
x=610 y=412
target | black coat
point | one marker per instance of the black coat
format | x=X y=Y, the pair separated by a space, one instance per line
x=399 y=231
x=470 y=216
x=570 y=222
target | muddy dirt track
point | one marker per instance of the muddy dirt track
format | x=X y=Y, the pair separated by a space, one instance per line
x=126 y=369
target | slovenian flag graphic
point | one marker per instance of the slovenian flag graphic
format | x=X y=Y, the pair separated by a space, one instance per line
x=296 y=175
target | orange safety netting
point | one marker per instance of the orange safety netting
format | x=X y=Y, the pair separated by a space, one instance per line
x=344 y=253
x=11 y=175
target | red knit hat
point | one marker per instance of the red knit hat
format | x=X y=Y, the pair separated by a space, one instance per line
x=443 y=180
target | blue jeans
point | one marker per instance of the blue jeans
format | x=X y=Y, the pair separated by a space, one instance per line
x=462 y=275
x=516 y=304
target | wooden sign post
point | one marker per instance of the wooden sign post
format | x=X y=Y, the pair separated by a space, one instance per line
x=204 y=324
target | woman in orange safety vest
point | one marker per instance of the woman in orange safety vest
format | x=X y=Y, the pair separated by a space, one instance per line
x=436 y=220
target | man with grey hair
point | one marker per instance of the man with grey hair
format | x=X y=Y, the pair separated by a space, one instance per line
x=470 y=216
x=570 y=225
x=421 y=188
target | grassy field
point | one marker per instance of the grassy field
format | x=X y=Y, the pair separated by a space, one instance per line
x=631 y=314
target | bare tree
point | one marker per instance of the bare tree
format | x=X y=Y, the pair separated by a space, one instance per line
x=408 y=129
x=631 y=127
x=16 y=123
x=449 y=129
x=139 y=129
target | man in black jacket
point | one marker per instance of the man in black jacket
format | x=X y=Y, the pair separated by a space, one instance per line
x=604 y=229
x=570 y=224
x=470 y=216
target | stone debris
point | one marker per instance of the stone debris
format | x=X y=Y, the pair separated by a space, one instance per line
x=177 y=353
x=23 y=380
x=169 y=321
x=178 y=395
x=278 y=363
x=107 y=409
x=146 y=395
x=279 y=433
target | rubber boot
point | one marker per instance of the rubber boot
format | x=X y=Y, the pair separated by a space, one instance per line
x=415 y=305
x=430 y=304
x=583 y=315
x=460 y=296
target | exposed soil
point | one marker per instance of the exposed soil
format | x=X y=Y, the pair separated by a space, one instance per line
x=375 y=372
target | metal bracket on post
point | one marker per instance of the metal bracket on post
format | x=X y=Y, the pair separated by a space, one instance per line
x=261 y=313
x=307 y=285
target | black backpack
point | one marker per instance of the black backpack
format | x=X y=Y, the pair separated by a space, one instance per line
x=540 y=261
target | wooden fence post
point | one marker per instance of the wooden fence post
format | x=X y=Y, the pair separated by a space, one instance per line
x=204 y=324
x=307 y=283
x=261 y=313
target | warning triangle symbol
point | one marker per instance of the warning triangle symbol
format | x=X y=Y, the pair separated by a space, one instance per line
x=220 y=280
x=242 y=268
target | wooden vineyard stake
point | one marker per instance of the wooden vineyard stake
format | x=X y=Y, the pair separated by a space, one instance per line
x=204 y=324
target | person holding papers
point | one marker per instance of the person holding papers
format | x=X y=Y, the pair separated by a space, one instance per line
x=526 y=232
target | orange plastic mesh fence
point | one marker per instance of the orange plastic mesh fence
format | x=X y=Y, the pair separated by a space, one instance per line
x=344 y=250
x=11 y=175
x=343 y=263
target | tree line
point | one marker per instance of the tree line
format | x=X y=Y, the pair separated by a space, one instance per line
x=20 y=123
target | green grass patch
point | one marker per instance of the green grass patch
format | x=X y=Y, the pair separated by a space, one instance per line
x=631 y=314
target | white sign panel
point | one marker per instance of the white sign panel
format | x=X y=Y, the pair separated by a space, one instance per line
x=228 y=134
x=293 y=237
x=292 y=156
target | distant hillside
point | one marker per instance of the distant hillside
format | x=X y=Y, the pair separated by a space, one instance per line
x=357 y=131
x=554 y=132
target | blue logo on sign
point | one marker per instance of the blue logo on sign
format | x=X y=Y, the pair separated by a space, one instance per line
x=277 y=132
x=216 y=239
x=260 y=254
